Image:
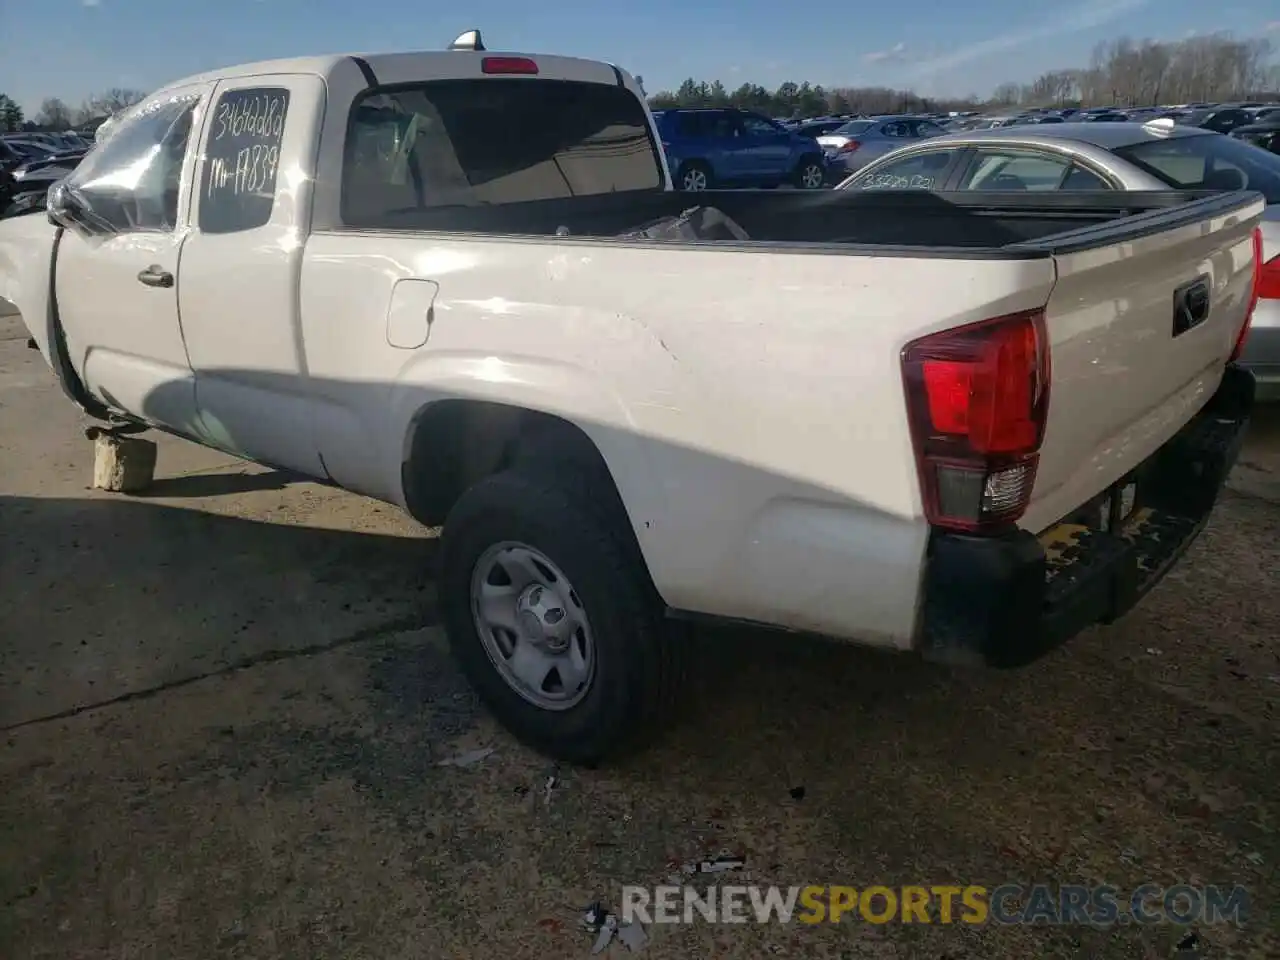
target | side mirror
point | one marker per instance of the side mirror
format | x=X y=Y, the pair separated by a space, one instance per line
x=67 y=208
x=59 y=205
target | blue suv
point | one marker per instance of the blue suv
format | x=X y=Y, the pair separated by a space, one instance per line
x=735 y=148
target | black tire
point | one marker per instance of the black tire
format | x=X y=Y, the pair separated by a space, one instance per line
x=694 y=169
x=638 y=661
x=810 y=174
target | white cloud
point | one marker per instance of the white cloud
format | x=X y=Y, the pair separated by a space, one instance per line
x=894 y=54
x=1092 y=13
x=1272 y=27
x=91 y=3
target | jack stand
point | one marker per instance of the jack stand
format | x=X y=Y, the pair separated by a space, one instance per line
x=122 y=463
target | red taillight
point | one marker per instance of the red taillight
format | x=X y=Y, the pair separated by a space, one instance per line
x=1259 y=273
x=509 y=65
x=850 y=146
x=1268 y=276
x=978 y=399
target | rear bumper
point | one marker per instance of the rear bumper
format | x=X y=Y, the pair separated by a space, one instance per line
x=1005 y=601
x=1262 y=350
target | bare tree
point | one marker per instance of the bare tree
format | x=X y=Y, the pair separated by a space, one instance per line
x=54 y=114
x=1052 y=89
x=1007 y=93
x=107 y=103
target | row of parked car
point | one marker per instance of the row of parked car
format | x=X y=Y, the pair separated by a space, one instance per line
x=731 y=148
x=30 y=162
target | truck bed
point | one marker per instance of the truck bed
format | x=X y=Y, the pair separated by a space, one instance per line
x=917 y=222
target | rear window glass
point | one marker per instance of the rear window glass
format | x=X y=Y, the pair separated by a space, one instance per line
x=1209 y=162
x=453 y=143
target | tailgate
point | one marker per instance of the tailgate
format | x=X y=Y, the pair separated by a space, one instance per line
x=1141 y=322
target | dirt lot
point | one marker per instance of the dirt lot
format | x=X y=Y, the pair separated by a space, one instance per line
x=224 y=705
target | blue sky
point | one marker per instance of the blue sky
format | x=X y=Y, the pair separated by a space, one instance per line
x=70 y=48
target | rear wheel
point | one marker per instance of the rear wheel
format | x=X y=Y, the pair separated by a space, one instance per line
x=551 y=615
x=810 y=174
x=693 y=177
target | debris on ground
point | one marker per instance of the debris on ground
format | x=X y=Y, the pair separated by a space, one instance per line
x=691 y=868
x=468 y=759
x=607 y=928
x=716 y=865
x=553 y=781
x=606 y=934
x=1188 y=947
x=632 y=936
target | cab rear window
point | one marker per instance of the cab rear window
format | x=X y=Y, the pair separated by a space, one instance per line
x=497 y=141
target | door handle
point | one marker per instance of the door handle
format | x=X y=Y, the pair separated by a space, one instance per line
x=155 y=276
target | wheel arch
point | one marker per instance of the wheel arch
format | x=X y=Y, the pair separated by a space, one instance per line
x=452 y=443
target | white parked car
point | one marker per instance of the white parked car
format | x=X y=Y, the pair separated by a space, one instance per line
x=1108 y=156
x=894 y=419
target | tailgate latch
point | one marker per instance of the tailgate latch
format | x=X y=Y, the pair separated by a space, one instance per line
x=1190 y=305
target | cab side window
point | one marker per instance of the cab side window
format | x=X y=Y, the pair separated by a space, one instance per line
x=130 y=181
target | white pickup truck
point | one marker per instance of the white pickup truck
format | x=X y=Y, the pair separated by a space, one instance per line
x=963 y=425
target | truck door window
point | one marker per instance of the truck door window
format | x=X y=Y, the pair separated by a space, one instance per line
x=493 y=141
x=130 y=181
x=238 y=182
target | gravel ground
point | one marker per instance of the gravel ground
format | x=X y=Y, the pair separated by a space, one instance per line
x=225 y=705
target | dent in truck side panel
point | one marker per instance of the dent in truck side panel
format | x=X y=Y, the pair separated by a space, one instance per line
x=26 y=255
x=732 y=441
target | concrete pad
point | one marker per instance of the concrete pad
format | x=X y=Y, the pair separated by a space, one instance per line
x=224 y=709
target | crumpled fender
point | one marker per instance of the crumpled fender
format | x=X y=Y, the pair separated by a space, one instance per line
x=549 y=386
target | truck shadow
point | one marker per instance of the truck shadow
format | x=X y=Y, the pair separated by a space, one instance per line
x=217 y=484
x=113 y=598
x=107 y=596
x=823 y=758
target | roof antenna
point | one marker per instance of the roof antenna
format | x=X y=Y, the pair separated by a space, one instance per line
x=468 y=41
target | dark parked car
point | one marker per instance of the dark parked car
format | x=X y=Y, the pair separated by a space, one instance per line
x=1265 y=134
x=718 y=148
x=819 y=128
x=1218 y=119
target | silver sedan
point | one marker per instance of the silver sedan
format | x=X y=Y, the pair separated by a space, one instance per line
x=858 y=142
x=1106 y=156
